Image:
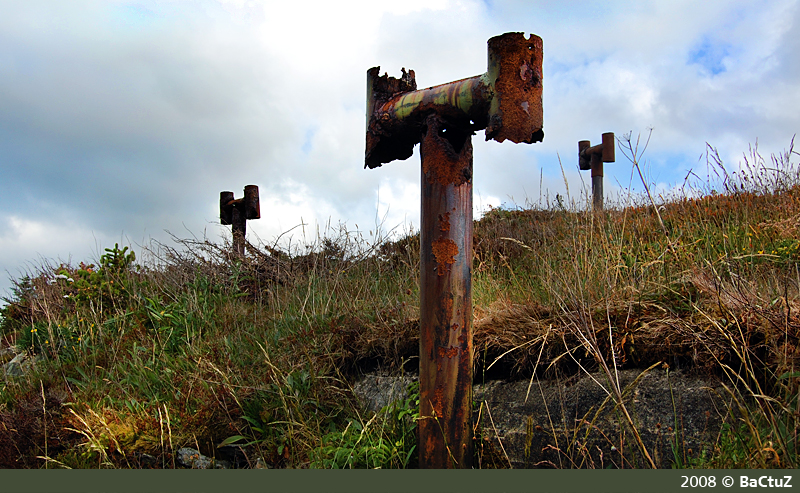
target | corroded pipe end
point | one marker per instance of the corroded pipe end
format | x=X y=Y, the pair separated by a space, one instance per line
x=515 y=71
x=387 y=142
x=609 y=154
x=583 y=159
x=225 y=210
x=252 y=206
x=506 y=101
x=605 y=152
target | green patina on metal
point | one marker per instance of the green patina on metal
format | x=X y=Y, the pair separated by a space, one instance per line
x=506 y=101
x=455 y=95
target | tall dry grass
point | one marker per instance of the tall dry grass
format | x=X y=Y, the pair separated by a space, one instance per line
x=193 y=346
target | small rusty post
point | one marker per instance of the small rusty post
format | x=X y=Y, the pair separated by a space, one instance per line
x=592 y=158
x=507 y=102
x=237 y=212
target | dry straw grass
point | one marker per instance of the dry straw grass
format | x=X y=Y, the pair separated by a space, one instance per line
x=194 y=346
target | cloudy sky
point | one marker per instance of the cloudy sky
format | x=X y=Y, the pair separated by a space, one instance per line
x=121 y=120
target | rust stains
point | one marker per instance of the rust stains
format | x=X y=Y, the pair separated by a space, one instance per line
x=446 y=152
x=443 y=352
x=437 y=402
x=447 y=305
x=444 y=222
x=506 y=101
x=236 y=212
x=515 y=68
x=444 y=251
x=448 y=353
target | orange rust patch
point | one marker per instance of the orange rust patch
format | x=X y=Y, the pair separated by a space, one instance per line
x=441 y=163
x=444 y=251
x=444 y=221
x=519 y=115
x=437 y=402
x=447 y=171
x=447 y=305
x=448 y=352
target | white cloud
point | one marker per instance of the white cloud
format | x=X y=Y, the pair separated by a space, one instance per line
x=130 y=118
x=398 y=205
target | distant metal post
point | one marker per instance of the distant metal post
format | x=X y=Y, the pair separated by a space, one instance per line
x=237 y=212
x=507 y=102
x=592 y=158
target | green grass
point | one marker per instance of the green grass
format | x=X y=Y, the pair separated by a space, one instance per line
x=185 y=345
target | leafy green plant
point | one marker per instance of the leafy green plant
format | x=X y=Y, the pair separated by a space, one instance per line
x=168 y=322
x=280 y=417
x=788 y=250
x=51 y=339
x=387 y=440
x=34 y=338
x=199 y=348
x=105 y=284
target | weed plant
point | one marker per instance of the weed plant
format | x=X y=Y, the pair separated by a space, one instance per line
x=253 y=357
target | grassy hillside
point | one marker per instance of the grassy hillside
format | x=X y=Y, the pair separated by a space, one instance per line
x=137 y=356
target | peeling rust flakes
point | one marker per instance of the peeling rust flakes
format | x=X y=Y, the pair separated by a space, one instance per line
x=506 y=101
x=444 y=251
x=449 y=173
x=449 y=353
x=445 y=352
x=446 y=153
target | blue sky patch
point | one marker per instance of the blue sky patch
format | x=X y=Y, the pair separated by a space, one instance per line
x=710 y=55
x=134 y=15
x=308 y=140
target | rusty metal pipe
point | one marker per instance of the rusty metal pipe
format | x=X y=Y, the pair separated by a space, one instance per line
x=445 y=347
x=236 y=212
x=592 y=158
x=506 y=101
x=238 y=229
x=597 y=183
x=252 y=206
x=226 y=208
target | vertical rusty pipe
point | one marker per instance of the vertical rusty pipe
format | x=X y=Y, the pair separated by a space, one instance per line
x=592 y=158
x=239 y=227
x=445 y=426
x=597 y=182
x=236 y=212
x=507 y=102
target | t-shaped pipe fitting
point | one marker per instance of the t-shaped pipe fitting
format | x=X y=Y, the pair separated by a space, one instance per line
x=506 y=101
